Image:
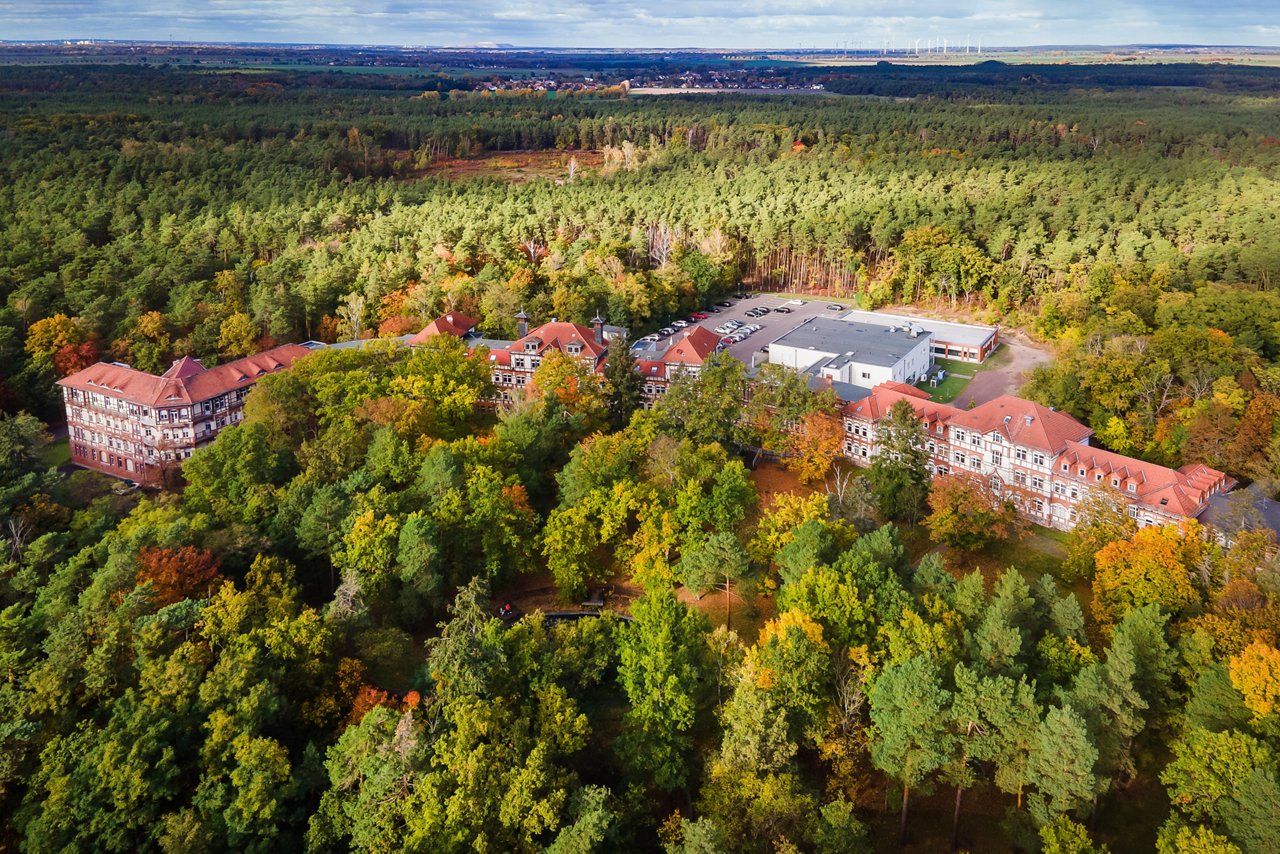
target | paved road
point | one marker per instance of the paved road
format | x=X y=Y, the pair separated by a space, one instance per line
x=772 y=325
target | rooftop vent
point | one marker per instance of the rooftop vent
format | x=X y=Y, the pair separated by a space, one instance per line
x=1029 y=420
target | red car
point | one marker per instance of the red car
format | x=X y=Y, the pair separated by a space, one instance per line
x=697 y=315
x=727 y=341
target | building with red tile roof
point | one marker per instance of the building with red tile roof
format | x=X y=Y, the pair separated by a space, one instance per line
x=1036 y=456
x=132 y=424
x=454 y=323
x=513 y=363
x=685 y=352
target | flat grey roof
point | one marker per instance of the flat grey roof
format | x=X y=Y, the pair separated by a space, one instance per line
x=1262 y=512
x=969 y=334
x=850 y=341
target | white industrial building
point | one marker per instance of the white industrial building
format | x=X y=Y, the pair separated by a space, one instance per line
x=860 y=354
x=962 y=342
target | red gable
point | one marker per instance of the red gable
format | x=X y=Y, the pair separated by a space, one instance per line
x=454 y=323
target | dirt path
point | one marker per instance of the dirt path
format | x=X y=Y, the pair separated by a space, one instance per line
x=1018 y=355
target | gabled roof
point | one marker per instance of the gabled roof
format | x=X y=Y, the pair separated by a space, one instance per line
x=692 y=347
x=882 y=398
x=1183 y=492
x=454 y=323
x=1023 y=422
x=558 y=335
x=186 y=381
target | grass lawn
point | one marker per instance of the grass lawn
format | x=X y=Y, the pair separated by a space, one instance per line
x=947 y=390
x=57 y=454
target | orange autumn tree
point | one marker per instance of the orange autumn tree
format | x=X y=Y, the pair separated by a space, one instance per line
x=1255 y=673
x=177 y=574
x=1154 y=566
x=815 y=443
x=964 y=514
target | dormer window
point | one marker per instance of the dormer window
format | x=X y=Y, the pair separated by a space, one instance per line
x=1098 y=476
x=1082 y=472
x=573 y=349
x=1115 y=481
x=1133 y=487
x=531 y=346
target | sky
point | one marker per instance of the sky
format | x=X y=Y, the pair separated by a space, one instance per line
x=635 y=24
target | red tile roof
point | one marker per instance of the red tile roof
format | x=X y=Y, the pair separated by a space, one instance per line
x=1023 y=422
x=1181 y=493
x=692 y=347
x=186 y=381
x=557 y=335
x=454 y=323
x=884 y=396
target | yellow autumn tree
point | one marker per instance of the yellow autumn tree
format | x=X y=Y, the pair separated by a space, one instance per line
x=1154 y=566
x=1255 y=673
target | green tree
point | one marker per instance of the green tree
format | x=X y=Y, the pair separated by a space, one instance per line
x=911 y=738
x=659 y=671
x=899 y=473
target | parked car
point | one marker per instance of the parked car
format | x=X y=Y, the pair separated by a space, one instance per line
x=726 y=341
x=783 y=310
x=754 y=327
x=679 y=324
x=651 y=338
x=764 y=309
x=667 y=330
x=740 y=295
x=733 y=324
x=698 y=315
x=711 y=309
x=835 y=306
x=724 y=303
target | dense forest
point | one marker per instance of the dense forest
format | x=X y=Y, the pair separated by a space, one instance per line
x=299 y=650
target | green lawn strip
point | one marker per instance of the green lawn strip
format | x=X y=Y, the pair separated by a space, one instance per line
x=57 y=454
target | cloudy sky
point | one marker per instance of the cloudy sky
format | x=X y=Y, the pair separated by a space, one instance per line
x=631 y=23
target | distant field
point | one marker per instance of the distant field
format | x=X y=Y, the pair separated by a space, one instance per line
x=516 y=167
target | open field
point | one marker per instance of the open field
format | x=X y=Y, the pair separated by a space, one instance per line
x=513 y=166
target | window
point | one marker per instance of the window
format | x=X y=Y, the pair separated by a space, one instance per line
x=996 y=458
x=1037 y=483
x=959 y=458
x=959 y=437
x=866 y=375
x=1064 y=466
x=1082 y=472
x=995 y=437
x=1020 y=454
x=1098 y=476
x=1133 y=511
x=1115 y=481
x=1038 y=505
x=975 y=440
x=1133 y=487
x=1038 y=459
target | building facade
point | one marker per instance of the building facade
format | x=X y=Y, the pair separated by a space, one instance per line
x=132 y=424
x=683 y=353
x=1035 y=456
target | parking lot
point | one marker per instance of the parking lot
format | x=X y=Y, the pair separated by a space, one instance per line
x=773 y=325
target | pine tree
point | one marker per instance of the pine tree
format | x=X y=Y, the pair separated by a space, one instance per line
x=623 y=383
x=899 y=473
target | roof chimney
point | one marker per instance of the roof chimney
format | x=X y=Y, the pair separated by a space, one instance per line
x=522 y=324
x=597 y=323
